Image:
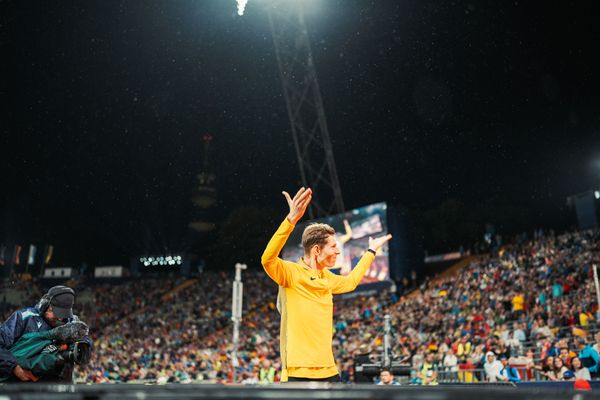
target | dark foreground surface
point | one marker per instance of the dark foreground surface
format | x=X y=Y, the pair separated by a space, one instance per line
x=290 y=391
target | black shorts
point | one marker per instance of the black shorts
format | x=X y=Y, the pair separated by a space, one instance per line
x=334 y=379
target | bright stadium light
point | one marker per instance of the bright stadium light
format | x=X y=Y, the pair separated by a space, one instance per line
x=597 y=194
x=163 y=260
x=241 y=6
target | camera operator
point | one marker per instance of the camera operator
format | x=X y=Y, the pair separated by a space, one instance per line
x=44 y=342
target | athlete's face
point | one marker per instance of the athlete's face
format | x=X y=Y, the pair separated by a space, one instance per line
x=327 y=253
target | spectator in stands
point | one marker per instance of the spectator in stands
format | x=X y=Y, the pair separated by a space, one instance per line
x=519 y=334
x=580 y=371
x=596 y=345
x=565 y=356
x=508 y=373
x=547 y=368
x=429 y=371
x=450 y=364
x=558 y=371
x=478 y=355
x=588 y=356
x=540 y=330
x=267 y=372
x=492 y=367
x=386 y=377
x=554 y=349
x=464 y=347
x=250 y=379
x=418 y=358
x=466 y=371
x=518 y=302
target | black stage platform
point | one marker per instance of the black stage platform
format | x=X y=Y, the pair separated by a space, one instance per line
x=287 y=391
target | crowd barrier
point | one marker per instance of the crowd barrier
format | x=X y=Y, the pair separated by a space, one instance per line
x=292 y=391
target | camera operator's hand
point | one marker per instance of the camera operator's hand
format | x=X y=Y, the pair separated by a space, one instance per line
x=24 y=375
x=69 y=332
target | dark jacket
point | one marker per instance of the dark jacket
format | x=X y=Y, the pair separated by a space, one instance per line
x=19 y=323
x=589 y=358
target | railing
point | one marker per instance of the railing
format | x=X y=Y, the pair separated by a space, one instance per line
x=479 y=375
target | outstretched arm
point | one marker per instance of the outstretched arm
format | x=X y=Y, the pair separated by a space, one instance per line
x=344 y=284
x=273 y=265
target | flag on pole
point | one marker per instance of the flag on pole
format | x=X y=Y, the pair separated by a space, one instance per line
x=17 y=254
x=49 y=254
x=31 y=255
x=2 y=254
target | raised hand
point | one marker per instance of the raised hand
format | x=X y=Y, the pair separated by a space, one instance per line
x=377 y=243
x=298 y=204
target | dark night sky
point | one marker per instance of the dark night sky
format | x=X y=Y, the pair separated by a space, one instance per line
x=425 y=100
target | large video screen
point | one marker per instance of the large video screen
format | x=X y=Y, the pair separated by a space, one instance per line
x=353 y=229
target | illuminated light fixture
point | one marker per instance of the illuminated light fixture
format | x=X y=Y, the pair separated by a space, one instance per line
x=161 y=260
x=241 y=6
x=597 y=194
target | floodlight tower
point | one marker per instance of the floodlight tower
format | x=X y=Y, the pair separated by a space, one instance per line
x=305 y=106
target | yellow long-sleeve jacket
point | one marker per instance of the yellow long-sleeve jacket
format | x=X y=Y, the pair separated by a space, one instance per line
x=306 y=306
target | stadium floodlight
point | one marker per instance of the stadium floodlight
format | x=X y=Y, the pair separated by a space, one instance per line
x=161 y=260
x=241 y=6
x=597 y=194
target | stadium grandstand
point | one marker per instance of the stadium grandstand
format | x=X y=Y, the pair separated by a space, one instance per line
x=532 y=302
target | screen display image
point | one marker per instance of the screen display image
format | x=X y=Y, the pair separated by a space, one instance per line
x=353 y=229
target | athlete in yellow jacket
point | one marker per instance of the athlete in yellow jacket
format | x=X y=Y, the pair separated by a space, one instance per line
x=305 y=293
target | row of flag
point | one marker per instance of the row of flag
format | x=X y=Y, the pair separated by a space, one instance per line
x=16 y=257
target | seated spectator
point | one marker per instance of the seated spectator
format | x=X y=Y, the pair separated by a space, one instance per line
x=546 y=367
x=466 y=371
x=508 y=373
x=386 y=377
x=588 y=356
x=492 y=367
x=580 y=371
x=558 y=371
x=596 y=345
x=565 y=356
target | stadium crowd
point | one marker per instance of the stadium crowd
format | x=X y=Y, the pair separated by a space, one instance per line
x=526 y=311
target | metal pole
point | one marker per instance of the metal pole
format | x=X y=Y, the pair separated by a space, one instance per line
x=386 y=342
x=236 y=314
x=597 y=290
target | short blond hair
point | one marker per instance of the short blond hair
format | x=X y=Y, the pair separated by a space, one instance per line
x=316 y=234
